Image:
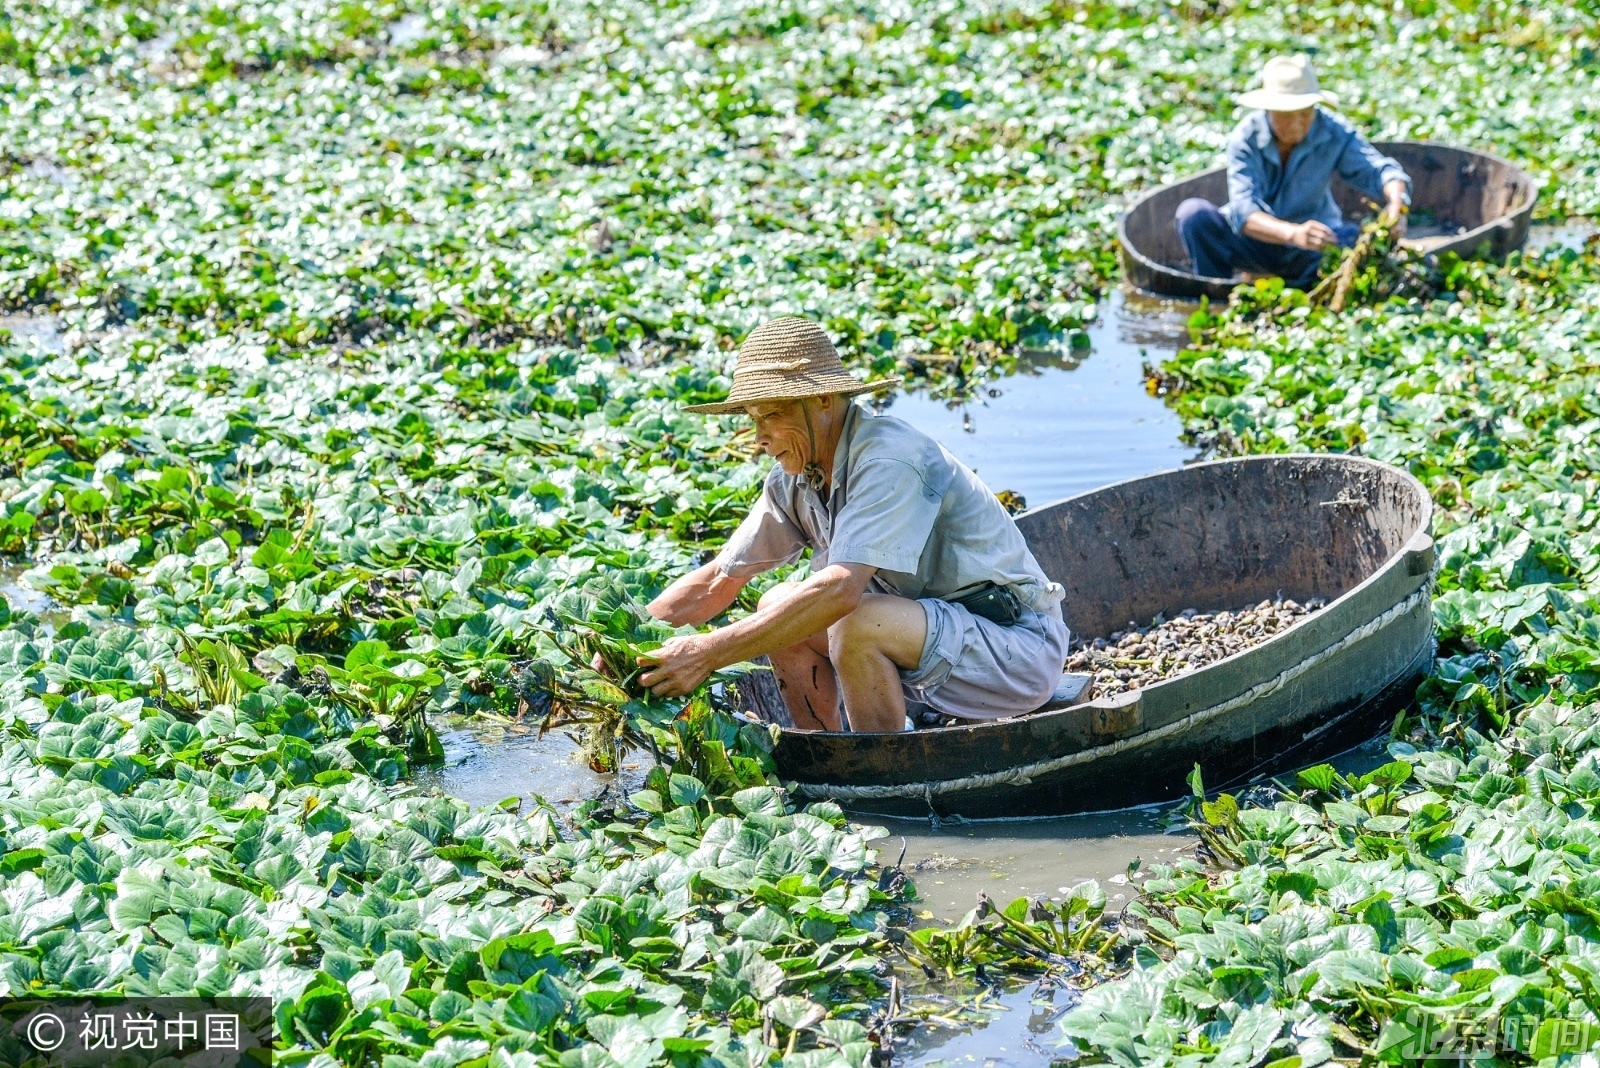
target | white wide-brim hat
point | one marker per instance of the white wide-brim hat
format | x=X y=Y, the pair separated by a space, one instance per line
x=788 y=359
x=1287 y=84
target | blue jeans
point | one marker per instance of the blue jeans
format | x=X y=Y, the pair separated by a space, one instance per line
x=1217 y=252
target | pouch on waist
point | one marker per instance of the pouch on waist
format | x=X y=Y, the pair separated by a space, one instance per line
x=992 y=601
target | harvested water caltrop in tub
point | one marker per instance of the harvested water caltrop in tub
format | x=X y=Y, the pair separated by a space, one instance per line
x=1138 y=656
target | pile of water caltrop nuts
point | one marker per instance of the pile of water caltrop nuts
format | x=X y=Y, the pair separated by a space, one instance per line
x=1138 y=656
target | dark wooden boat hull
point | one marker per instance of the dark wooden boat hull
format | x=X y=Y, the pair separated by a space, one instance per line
x=1209 y=536
x=1487 y=198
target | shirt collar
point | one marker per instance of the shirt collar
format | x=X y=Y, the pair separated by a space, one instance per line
x=841 y=451
x=1261 y=133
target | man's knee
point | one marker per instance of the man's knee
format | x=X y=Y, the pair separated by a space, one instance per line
x=856 y=633
x=1198 y=215
x=845 y=636
x=881 y=625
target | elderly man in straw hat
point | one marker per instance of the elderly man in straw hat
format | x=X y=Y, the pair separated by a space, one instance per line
x=1280 y=213
x=920 y=582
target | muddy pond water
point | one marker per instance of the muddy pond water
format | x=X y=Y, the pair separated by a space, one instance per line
x=1070 y=420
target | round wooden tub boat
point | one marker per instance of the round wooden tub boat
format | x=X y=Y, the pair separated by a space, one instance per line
x=1469 y=203
x=1221 y=535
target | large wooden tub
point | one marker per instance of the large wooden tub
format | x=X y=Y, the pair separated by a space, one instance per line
x=1211 y=536
x=1481 y=207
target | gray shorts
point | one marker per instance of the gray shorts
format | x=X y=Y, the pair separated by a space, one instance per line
x=977 y=669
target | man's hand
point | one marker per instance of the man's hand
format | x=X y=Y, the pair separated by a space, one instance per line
x=682 y=664
x=1397 y=221
x=1396 y=209
x=678 y=667
x=1312 y=235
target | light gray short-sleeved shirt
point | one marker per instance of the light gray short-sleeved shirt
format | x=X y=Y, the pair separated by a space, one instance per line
x=899 y=502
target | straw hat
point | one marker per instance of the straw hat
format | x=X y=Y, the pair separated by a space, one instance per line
x=786 y=359
x=1287 y=84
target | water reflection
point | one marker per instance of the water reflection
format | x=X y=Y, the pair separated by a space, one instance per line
x=1016 y=1029
x=41 y=331
x=487 y=763
x=1070 y=420
x=20 y=598
x=1570 y=233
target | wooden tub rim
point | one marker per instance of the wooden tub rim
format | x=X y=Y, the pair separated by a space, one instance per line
x=1504 y=221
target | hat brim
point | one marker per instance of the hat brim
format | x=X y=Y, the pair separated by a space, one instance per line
x=736 y=405
x=1268 y=100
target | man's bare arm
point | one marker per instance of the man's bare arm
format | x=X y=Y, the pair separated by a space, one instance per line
x=819 y=602
x=1310 y=234
x=698 y=597
x=816 y=604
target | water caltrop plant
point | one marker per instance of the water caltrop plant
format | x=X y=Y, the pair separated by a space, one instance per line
x=343 y=350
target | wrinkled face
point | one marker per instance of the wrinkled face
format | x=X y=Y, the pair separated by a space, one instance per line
x=781 y=430
x=1291 y=127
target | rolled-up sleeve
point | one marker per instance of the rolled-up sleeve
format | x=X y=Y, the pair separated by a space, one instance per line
x=766 y=539
x=887 y=518
x=1246 y=180
x=1369 y=170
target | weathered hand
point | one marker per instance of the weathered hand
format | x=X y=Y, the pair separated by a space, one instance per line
x=1312 y=235
x=1396 y=211
x=677 y=668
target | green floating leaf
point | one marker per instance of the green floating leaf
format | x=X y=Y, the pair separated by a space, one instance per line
x=686 y=789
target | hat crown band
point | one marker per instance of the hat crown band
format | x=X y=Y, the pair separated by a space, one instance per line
x=788 y=359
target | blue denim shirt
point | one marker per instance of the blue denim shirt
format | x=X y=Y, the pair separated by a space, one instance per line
x=1257 y=182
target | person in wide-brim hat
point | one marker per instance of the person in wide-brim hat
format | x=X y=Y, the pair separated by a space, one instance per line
x=1282 y=158
x=1288 y=83
x=921 y=586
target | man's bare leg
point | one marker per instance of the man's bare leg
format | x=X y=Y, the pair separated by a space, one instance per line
x=868 y=649
x=859 y=659
x=805 y=677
